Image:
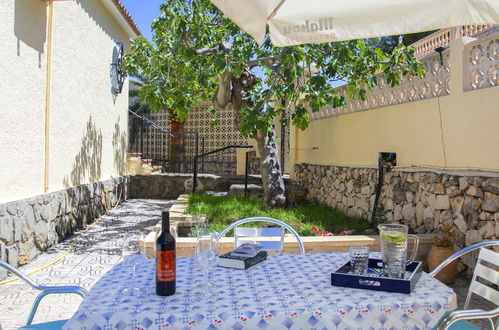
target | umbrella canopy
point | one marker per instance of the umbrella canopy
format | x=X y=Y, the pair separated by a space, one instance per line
x=294 y=22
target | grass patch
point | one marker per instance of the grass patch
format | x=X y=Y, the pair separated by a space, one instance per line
x=223 y=210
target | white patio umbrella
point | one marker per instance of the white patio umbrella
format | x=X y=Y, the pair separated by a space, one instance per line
x=294 y=22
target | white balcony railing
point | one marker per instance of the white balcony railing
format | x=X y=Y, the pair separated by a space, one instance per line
x=441 y=38
x=481 y=70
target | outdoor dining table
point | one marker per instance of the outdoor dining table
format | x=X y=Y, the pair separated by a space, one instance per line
x=290 y=291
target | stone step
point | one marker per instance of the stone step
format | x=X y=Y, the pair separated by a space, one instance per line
x=217 y=193
x=294 y=191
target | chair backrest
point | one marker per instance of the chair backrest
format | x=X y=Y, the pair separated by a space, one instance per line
x=485 y=278
x=270 y=238
x=484 y=270
x=45 y=290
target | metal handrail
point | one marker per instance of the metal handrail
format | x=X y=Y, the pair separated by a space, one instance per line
x=264 y=219
x=195 y=169
x=46 y=290
x=156 y=126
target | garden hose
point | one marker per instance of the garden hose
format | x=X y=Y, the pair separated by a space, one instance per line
x=70 y=247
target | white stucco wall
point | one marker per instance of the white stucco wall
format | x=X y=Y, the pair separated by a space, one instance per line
x=89 y=144
x=88 y=124
x=22 y=93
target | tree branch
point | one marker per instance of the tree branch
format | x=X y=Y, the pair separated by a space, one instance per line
x=268 y=61
x=224 y=47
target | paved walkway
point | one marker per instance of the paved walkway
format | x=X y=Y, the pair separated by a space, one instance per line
x=92 y=256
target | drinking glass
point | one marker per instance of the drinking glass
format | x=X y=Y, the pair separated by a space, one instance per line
x=206 y=258
x=359 y=259
x=131 y=254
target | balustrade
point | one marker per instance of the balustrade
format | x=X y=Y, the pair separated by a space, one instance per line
x=481 y=71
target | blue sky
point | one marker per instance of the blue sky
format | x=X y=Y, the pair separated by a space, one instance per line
x=143 y=13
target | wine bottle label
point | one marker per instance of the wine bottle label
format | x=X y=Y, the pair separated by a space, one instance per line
x=165 y=266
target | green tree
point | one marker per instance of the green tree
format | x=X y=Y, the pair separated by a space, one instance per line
x=198 y=54
x=389 y=43
x=136 y=104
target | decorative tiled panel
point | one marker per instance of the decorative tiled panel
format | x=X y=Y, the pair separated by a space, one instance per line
x=482 y=63
x=435 y=83
x=213 y=137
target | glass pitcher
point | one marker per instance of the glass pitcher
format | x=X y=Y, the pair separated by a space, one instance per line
x=393 y=240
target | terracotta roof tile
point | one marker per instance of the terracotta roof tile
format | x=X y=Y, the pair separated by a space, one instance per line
x=127 y=16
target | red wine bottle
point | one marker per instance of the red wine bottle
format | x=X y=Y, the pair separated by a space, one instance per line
x=165 y=259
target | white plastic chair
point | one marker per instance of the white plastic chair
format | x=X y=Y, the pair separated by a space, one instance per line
x=457 y=319
x=45 y=290
x=262 y=235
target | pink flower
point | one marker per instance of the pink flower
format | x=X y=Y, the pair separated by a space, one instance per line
x=319 y=233
x=315 y=228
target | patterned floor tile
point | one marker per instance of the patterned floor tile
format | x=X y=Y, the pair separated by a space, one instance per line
x=91 y=256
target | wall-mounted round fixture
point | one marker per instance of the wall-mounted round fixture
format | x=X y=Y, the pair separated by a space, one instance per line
x=118 y=76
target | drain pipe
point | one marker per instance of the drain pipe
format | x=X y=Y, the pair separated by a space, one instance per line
x=47 y=97
x=386 y=159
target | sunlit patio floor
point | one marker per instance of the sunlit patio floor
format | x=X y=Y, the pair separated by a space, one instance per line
x=91 y=257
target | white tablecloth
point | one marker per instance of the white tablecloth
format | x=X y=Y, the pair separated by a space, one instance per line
x=283 y=292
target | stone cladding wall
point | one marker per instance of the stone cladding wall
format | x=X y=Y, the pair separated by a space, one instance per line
x=424 y=200
x=30 y=226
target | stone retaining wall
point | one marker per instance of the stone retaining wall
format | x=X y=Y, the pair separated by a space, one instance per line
x=422 y=199
x=30 y=226
x=170 y=186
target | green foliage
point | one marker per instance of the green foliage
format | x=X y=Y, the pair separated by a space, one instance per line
x=190 y=51
x=388 y=43
x=223 y=210
x=380 y=216
x=446 y=236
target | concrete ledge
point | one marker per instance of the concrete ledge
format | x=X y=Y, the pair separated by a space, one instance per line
x=313 y=244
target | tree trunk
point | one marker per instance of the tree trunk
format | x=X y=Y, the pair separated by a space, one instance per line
x=177 y=144
x=273 y=183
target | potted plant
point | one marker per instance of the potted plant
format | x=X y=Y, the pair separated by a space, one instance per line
x=443 y=247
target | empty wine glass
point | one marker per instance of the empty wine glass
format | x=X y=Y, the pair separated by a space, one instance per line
x=131 y=254
x=206 y=258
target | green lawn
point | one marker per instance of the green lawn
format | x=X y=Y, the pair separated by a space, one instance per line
x=223 y=210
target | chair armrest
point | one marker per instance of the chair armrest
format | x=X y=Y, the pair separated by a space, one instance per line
x=471 y=314
x=46 y=290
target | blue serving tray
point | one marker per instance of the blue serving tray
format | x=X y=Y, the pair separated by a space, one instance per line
x=374 y=279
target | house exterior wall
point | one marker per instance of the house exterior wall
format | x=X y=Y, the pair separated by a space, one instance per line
x=88 y=124
x=89 y=144
x=444 y=129
x=469 y=122
x=22 y=90
x=60 y=51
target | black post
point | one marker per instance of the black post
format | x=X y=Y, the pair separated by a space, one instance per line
x=195 y=175
x=202 y=152
x=378 y=187
x=179 y=157
x=246 y=175
x=142 y=139
x=196 y=152
x=195 y=172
